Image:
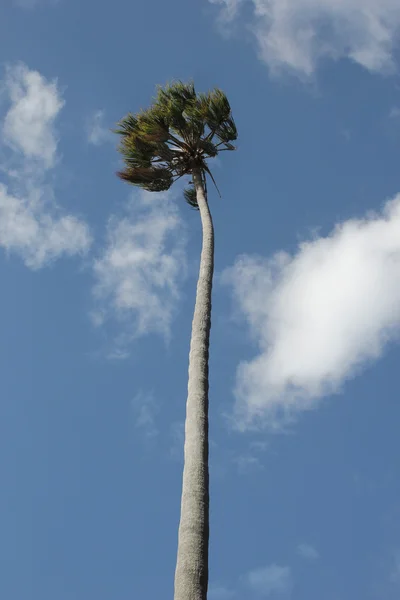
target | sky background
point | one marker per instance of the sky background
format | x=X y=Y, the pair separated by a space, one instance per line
x=98 y=284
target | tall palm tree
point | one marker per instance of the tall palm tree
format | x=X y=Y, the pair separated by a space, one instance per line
x=175 y=137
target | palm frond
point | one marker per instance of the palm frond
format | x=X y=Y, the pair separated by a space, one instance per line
x=227 y=131
x=179 y=132
x=177 y=92
x=152 y=179
x=189 y=194
x=218 y=109
x=207 y=170
x=209 y=149
x=127 y=125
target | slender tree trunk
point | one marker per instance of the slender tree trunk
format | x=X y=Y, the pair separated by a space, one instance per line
x=191 y=576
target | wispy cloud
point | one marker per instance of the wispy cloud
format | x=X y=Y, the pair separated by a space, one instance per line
x=229 y=8
x=395 y=569
x=318 y=316
x=177 y=436
x=271 y=580
x=251 y=460
x=32 y=225
x=138 y=275
x=296 y=35
x=97 y=132
x=145 y=411
x=248 y=463
x=307 y=552
x=394 y=112
x=220 y=592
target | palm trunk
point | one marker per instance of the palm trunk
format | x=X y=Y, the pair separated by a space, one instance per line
x=191 y=576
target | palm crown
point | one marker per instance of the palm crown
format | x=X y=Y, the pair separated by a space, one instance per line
x=179 y=132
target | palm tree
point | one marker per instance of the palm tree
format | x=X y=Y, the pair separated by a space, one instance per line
x=173 y=138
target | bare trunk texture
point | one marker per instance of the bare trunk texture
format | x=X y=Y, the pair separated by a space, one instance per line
x=191 y=575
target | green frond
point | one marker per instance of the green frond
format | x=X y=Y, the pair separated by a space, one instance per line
x=219 y=104
x=137 y=152
x=177 y=92
x=189 y=194
x=227 y=131
x=152 y=126
x=152 y=179
x=164 y=152
x=177 y=122
x=207 y=170
x=208 y=147
x=175 y=102
x=127 y=125
x=217 y=109
x=180 y=131
x=137 y=143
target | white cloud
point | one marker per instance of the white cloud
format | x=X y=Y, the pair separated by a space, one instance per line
x=139 y=272
x=308 y=552
x=97 y=133
x=317 y=316
x=36 y=234
x=31 y=223
x=28 y=125
x=296 y=35
x=248 y=463
x=273 y=579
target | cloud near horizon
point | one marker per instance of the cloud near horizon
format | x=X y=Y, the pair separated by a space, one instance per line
x=318 y=316
x=32 y=225
x=296 y=35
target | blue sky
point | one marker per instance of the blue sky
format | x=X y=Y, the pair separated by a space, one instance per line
x=98 y=284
